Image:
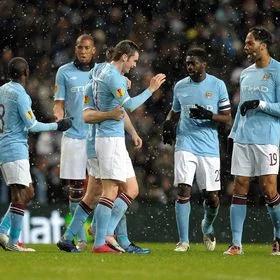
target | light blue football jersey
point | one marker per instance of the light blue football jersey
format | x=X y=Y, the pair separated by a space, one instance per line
x=261 y=125
x=199 y=137
x=16 y=117
x=69 y=86
x=89 y=104
x=110 y=91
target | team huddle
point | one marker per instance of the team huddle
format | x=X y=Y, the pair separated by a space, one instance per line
x=90 y=107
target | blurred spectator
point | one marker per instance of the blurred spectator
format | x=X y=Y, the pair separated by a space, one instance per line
x=43 y=32
x=7 y=55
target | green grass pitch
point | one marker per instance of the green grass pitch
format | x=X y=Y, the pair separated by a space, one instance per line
x=162 y=263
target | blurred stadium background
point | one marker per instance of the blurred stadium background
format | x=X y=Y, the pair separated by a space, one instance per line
x=44 y=32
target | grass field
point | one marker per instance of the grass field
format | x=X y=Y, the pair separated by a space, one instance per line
x=162 y=263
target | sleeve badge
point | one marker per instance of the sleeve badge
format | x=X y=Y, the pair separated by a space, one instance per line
x=86 y=99
x=120 y=92
x=29 y=115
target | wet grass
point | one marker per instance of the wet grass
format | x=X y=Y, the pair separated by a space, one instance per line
x=162 y=263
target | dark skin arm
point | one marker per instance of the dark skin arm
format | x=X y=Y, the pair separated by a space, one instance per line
x=169 y=127
x=201 y=113
x=173 y=116
x=223 y=117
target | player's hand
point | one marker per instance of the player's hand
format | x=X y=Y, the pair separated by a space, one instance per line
x=200 y=113
x=58 y=115
x=128 y=83
x=137 y=141
x=117 y=113
x=156 y=82
x=58 y=110
x=249 y=105
x=64 y=124
x=168 y=132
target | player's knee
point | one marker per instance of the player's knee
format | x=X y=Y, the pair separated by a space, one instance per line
x=110 y=193
x=18 y=194
x=268 y=183
x=76 y=190
x=212 y=199
x=133 y=193
x=241 y=185
x=92 y=197
x=130 y=188
x=272 y=199
x=270 y=194
x=97 y=192
x=29 y=194
x=184 y=191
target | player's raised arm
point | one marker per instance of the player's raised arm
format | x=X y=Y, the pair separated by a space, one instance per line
x=132 y=103
x=124 y=57
x=119 y=90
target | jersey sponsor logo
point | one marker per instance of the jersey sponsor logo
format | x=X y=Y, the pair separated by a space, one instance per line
x=186 y=108
x=266 y=76
x=120 y=92
x=73 y=78
x=29 y=115
x=77 y=89
x=208 y=94
x=253 y=89
x=86 y=99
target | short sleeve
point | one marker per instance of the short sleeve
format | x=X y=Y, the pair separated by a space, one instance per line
x=176 y=107
x=224 y=103
x=25 y=111
x=118 y=87
x=89 y=102
x=59 y=88
x=277 y=84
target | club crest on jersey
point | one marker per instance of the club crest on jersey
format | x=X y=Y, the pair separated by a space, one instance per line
x=86 y=99
x=29 y=115
x=208 y=94
x=266 y=76
x=120 y=92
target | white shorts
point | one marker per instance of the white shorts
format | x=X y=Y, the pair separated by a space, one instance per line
x=17 y=172
x=93 y=167
x=73 y=159
x=254 y=160
x=205 y=169
x=113 y=158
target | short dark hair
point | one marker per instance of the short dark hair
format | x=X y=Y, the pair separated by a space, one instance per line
x=17 y=67
x=85 y=37
x=261 y=34
x=123 y=47
x=198 y=52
